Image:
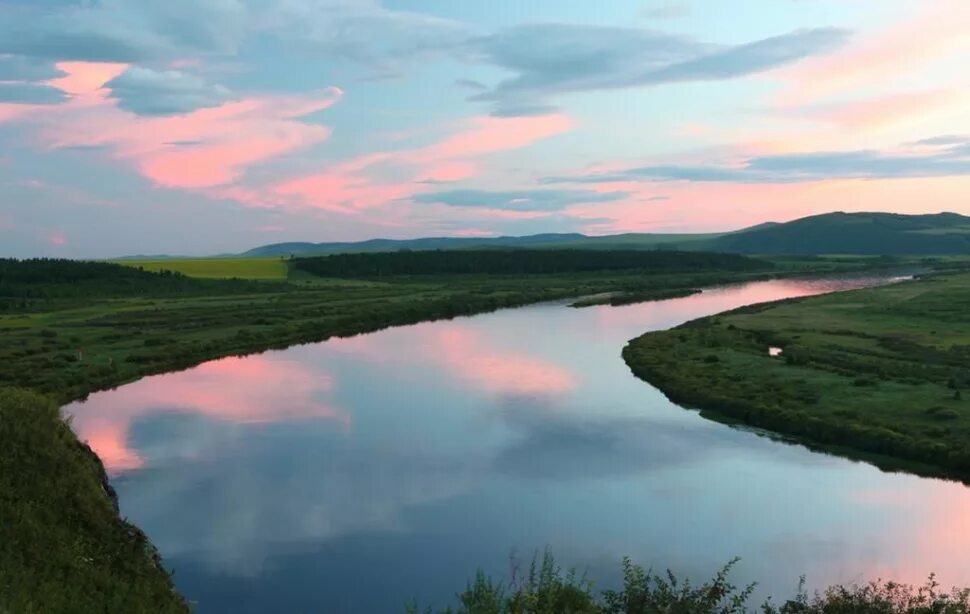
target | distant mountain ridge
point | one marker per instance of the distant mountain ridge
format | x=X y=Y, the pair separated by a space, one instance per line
x=383 y=245
x=829 y=233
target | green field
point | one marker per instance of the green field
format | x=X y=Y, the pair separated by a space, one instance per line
x=882 y=371
x=272 y=268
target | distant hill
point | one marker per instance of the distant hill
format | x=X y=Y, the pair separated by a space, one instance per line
x=854 y=233
x=548 y=240
x=829 y=233
x=388 y=245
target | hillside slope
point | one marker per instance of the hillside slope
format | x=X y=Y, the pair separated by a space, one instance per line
x=855 y=233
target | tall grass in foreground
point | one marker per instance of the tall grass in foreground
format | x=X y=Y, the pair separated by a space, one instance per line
x=547 y=589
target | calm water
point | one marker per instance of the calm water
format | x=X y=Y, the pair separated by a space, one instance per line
x=356 y=474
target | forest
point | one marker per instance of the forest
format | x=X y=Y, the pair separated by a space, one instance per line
x=521 y=262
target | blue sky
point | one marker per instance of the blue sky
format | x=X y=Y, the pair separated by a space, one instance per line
x=210 y=126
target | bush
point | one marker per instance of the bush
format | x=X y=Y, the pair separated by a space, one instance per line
x=547 y=590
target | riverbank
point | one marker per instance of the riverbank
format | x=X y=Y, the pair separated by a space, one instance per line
x=881 y=374
x=81 y=338
x=63 y=546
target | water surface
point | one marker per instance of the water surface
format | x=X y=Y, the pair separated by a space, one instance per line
x=356 y=474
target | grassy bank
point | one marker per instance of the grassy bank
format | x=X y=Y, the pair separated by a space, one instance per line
x=883 y=373
x=71 y=329
x=63 y=547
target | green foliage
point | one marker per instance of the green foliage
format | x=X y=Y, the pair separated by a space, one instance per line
x=63 y=547
x=878 y=598
x=547 y=590
x=45 y=283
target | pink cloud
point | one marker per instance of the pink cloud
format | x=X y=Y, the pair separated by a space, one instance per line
x=359 y=184
x=11 y=111
x=896 y=109
x=56 y=238
x=937 y=30
x=86 y=77
x=202 y=149
x=712 y=207
x=209 y=150
x=493 y=134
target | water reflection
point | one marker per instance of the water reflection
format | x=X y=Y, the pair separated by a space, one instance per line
x=465 y=354
x=353 y=475
x=252 y=390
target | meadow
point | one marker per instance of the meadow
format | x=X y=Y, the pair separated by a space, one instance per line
x=271 y=268
x=882 y=373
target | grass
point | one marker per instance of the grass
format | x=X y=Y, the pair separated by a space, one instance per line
x=882 y=372
x=270 y=268
x=63 y=547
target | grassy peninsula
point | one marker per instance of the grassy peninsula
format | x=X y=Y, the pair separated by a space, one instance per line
x=882 y=373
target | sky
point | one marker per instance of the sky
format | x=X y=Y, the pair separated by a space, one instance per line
x=212 y=126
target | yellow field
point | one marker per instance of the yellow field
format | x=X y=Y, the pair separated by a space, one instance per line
x=217 y=268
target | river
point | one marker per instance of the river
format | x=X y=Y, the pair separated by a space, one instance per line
x=357 y=474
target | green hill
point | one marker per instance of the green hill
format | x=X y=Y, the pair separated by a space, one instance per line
x=855 y=233
x=633 y=240
x=871 y=234
x=390 y=245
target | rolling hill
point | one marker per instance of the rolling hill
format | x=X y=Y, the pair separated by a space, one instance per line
x=549 y=240
x=854 y=233
x=870 y=234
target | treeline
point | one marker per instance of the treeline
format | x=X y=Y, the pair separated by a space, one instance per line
x=520 y=261
x=25 y=282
